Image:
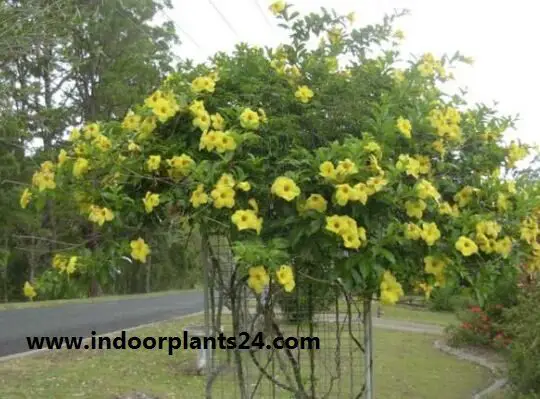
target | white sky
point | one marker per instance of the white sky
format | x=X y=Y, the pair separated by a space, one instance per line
x=497 y=34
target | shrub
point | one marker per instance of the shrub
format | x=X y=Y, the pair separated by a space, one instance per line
x=522 y=322
x=480 y=327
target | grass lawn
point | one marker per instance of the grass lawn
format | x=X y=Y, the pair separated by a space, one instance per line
x=410 y=313
x=42 y=304
x=406 y=367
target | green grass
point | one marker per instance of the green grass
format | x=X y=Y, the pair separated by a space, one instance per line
x=403 y=312
x=43 y=304
x=410 y=314
x=406 y=367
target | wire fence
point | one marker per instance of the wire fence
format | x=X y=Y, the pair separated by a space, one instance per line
x=305 y=344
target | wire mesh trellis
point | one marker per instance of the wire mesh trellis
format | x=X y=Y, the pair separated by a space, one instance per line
x=325 y=357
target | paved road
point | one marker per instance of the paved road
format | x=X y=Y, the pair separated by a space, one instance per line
x=82 y=318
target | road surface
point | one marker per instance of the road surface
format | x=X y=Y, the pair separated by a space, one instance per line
x=80 y=319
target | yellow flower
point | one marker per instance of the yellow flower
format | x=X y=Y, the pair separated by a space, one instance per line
x=504 y=247
x=91 y=130
x=199 y=197
x=244 y=186
x=131 y=121
x=100 y=215
x=503 y=203
x=150 y=201
x=59 y=262
x=253 y=204
x=335 y=223
x=430 y=233
x=351 y=17
x=316 y=202
x=404 y=126
x=426 y=288
x=224 y=142
x=203 y=83
x=247 y=219
x=75 y=134
x=516 y=153
x=415 y=209
x=345 y=168
x=361 y=193
x=153 y=162
x=466 y=246
x=434 y=266
x=139 y=250
x=29 y=291
x=412 y=231
x=226 y=179
x=438 y=145
x=148 y=125
x=376 y=184
x=223 y=196
x=102 y=142
x=154 y=98
x=350 y=238
x=62 y=157
x=304 y=94
x=258 y=279
x=163 y=110
x=25 y=198
x=424 y=164
x=277 y=7
x=485 y=244
x=133 y=147
x=327 y=170
x=209 y=140
x=488 y=228
x=44 y=180
x=72 y=264
x=202 y=121
x=180 y=165
x=249 y=119
x=426 y=190
x=464 y=197
x=286 y=188
x=408 y=164
x=264 y=118
x=391 y=290
x=344 y=194
x=218 y=123
x=80 y=167
x=197 y=107
x=446 y=209
x=285 y=277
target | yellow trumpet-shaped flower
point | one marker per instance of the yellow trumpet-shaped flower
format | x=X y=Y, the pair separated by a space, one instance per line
x=29 y=291
x=150 y=201
x=199 y=197
x=304 y=94
x=246 y=219
x=258 y=278
x=249 y=119
x=391 y=290
x=25 y=198
x=286 y=188
x=139 y=250
x=285 y=277
x=80 y=167
x=466 y=246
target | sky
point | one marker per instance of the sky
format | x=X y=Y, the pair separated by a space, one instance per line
x=498 y=35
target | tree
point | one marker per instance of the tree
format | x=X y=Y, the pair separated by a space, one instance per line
x=366 y=176
x=66 y=61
